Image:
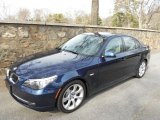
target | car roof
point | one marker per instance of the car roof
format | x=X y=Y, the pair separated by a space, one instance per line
x=102 y=34
x=107 y=34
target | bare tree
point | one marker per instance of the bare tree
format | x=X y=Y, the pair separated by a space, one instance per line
x=95 y=12
x=4 y=10
x=38 y=15
x=23 y=15
x=143 y=10
x=80 y=17
x=155 y=22
x=10 y=18
x=152 y=10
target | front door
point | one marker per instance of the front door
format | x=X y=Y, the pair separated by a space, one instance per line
x=111 y=69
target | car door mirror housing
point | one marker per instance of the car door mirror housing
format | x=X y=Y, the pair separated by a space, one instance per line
x=109 y=54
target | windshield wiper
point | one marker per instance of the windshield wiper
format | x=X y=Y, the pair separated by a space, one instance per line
x=69 y=51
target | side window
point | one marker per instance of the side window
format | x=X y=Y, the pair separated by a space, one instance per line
x=137 y=44
x=115 y=45
x=130 y=43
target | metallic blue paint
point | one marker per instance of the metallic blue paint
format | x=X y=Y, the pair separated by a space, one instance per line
x=69 y=66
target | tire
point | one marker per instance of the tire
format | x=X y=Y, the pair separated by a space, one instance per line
x=141 y=69
x=71 y=96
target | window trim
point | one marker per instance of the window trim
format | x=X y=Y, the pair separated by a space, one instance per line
x=109 y=40
x=135 y=40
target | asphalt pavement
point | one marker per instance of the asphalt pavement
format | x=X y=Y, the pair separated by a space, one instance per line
x=135 y=99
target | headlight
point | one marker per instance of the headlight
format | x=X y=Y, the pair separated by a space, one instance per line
x=39 y=83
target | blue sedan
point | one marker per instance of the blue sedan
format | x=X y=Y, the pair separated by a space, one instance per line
x=82 y=66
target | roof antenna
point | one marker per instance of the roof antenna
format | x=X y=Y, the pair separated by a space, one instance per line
x=96 y=33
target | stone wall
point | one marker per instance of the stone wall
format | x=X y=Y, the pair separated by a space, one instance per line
x=21 y=39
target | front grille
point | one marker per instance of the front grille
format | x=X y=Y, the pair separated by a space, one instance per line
x=13 y=78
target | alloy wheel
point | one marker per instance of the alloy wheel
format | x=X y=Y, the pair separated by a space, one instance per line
x=142 y=68
x=73 y=97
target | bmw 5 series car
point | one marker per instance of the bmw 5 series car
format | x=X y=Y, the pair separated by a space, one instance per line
x=82 y=66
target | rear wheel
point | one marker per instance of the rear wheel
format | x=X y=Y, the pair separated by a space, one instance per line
x=72 y=96
x=141 y=69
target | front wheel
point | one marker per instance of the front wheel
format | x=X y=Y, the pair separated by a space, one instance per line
x=141 y=69
x=72 y=96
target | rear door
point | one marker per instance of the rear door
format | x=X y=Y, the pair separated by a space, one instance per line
x=133 y=55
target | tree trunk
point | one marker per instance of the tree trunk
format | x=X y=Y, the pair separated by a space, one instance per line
x=140 y=19
x=95 y=12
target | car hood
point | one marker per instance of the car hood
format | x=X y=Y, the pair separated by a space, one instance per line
x=51 y=64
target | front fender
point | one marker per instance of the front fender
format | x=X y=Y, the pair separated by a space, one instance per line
x=71 y=76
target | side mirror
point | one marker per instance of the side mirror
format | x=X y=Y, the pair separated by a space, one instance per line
x=109 y=54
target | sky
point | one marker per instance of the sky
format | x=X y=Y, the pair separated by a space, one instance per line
x=58 y=6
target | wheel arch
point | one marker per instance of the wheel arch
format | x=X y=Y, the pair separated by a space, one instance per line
x=70 y=80
x=78 y=78
x=146 y=60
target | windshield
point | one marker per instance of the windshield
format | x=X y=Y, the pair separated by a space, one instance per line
x=84 y=44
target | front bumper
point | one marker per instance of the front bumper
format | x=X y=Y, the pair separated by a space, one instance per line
x=42 y=101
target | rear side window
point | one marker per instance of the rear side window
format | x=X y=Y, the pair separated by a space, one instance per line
x=137 y=43
x=130 y=43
